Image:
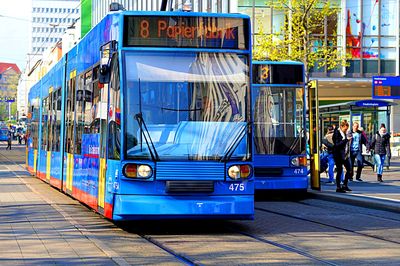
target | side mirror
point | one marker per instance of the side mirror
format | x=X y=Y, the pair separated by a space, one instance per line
x=106 y=52
x=104 y=74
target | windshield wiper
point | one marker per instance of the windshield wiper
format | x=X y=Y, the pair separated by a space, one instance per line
x=228 y=154
x=152 y=149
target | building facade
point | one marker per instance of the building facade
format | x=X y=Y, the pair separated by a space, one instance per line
x=50 y=19
x=369 y=32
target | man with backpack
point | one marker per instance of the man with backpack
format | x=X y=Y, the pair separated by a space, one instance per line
x=327 y=141
x=356 y=151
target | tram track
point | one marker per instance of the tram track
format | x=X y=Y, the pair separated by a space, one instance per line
x=182 y=258
x=287 y=248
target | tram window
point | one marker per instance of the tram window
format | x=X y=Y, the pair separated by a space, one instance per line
x=49 y=122
x=45 y=121
x=88 y=104
x=114 y=119
x=70 y=108
x=35 y=126
x=79 y=114
x=96 y=103
x=278 y=121
x=56 y=119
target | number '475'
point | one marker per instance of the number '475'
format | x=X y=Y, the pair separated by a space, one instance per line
x=237 y=187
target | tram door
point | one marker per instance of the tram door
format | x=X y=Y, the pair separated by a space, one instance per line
x=103 y=94
x=314 y=129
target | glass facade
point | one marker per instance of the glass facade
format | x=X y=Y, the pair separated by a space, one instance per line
x=368 y=29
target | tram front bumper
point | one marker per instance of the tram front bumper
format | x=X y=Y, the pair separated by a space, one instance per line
x=137 y=207
x=281 y=182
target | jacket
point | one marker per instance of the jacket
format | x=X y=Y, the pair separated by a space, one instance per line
x=363 y=140
x=380 y=144
x=340 y=143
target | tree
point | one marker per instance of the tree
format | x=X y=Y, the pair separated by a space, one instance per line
x=8 y=89
x=303 y=36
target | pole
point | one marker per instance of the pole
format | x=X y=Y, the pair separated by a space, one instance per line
x=314 y=136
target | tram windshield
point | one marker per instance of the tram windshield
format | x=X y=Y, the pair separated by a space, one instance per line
x=278 y=120
x=186 y=106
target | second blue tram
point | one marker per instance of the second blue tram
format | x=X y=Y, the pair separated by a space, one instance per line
x=148 y=117
x=278 y=102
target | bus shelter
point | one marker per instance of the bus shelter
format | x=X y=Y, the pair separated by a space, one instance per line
x=370 y=114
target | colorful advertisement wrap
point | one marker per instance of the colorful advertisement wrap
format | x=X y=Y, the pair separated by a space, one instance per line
x=90 y=162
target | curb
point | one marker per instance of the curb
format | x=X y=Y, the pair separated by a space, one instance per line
x=358 y=200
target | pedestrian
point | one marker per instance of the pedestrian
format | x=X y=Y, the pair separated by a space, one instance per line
x=341 y=154
x=365 y=150
x=327 y=141
x=381 y=147
x=9 y=138
x=356 y=151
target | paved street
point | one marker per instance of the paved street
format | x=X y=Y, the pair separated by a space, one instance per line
x=41 y=226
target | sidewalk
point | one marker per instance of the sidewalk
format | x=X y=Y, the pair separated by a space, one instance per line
x=369 y=193
x=41 y=226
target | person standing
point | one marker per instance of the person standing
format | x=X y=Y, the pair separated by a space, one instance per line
x=380 y=146
x=328 y=142
x=341 y=154
x=356 y=151
x=365 y=149
x=9 y=138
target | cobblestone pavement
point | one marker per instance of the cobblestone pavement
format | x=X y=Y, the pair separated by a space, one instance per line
x=41 y=226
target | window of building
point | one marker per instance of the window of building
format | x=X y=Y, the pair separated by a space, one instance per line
x=371 y=40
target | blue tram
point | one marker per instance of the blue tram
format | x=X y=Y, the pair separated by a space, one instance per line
x=279 y=137
x=148 y=117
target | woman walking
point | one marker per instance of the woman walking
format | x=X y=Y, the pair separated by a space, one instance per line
x=380 y=146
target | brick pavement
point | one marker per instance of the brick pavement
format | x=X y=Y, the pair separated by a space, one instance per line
x=41 y=226
x=370 y=192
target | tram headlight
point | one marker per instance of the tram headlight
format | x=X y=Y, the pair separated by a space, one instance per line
x=299 y=161
x=236 y=172
x=144 y=171
x=141 y=171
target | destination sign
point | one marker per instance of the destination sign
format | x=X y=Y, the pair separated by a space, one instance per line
x=386 y=87
x=278 y=73
x=186 y=32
